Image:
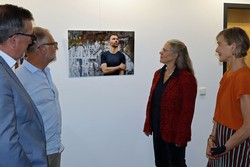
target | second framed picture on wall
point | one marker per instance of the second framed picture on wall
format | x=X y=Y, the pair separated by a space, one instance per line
x=100 y=53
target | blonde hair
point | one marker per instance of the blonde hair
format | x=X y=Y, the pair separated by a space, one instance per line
x=238 y=36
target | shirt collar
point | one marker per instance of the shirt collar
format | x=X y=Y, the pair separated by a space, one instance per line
x=33 y=68
x=175 y=72
x=9 y=60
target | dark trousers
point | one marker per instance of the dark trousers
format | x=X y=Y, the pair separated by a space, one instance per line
x=168 y=154
x=54 y=160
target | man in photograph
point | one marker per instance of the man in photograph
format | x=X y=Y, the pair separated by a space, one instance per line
x=113 y=61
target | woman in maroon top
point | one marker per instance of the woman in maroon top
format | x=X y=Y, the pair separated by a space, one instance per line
x=171 y=104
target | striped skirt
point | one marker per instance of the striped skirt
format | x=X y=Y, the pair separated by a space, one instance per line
x=238 y=157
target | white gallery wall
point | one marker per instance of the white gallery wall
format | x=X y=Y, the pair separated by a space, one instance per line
x=103 y=117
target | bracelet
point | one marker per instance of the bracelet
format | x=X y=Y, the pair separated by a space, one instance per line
x=212 y=137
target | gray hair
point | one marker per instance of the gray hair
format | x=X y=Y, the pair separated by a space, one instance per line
x=41 y=36
x=183 y=61
x=12 y=20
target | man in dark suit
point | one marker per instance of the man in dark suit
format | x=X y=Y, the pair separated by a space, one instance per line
x=22 y=138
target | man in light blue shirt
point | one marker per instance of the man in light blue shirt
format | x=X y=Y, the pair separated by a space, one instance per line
x=36 y=78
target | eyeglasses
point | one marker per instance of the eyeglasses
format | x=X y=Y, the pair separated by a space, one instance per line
x=32 y=36
x=55 y=44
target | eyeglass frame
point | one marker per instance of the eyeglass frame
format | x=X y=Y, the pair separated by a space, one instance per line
x=32 y=36
x=49 y=43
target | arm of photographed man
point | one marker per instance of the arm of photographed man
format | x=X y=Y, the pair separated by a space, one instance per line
x=108 y=70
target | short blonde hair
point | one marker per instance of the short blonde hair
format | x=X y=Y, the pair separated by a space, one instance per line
x=238 y=36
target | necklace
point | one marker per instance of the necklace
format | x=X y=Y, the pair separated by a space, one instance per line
x=168 y=74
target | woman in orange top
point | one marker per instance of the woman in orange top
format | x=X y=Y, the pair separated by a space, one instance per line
x=229 y=144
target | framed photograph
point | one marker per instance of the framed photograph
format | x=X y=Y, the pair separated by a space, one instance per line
x=86 y=51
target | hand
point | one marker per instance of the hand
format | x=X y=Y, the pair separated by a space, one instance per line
x=148 y=133
x=218 y=150
x=122 y=66
x=210 y=144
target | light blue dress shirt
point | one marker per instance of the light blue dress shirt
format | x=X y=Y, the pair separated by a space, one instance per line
x=44 y=93
x=9 y=60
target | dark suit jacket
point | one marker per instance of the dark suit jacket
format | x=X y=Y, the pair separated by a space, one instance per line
x=22 y=138
x=177 y=108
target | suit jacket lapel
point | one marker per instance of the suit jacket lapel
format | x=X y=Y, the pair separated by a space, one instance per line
x=14 y=77
x=10 y=71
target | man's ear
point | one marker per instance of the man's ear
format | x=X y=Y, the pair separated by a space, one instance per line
x=12 y=41
x=42 y=49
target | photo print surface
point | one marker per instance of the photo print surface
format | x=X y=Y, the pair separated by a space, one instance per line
x=90 y=51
